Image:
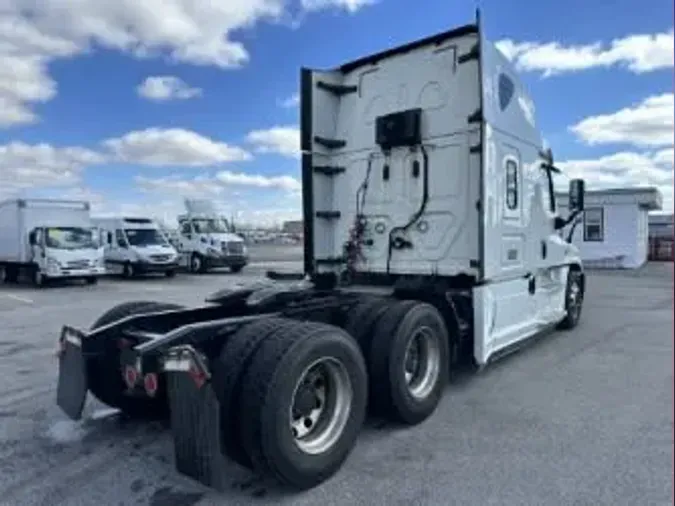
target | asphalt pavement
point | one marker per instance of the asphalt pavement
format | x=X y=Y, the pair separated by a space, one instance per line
x=576 y=418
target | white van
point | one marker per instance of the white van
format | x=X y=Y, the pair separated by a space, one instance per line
x=135 y=246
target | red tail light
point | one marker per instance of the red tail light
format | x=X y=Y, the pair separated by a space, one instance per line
x=130 y=376
x=150 y=383
x=197 y=376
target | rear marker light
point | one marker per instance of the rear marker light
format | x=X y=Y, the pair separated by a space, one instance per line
x=130 y=376
x=197 y=376
x=150 y=383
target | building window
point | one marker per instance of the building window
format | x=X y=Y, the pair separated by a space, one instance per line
x=594 y=224
x=511 y=184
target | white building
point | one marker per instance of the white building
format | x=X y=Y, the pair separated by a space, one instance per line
x=613 y=232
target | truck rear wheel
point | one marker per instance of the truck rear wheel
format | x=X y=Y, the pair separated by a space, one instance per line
x=39 y=278
x=227 y=374
x=303 y=403
x=409 y=362
x=362 y=319
x=104 y=372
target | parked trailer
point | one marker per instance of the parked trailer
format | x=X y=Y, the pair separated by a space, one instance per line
x=452 y=251
x=135 y=246
x=48 y=239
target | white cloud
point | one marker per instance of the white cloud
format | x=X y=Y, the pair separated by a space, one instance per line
x=348 y=5
x=636 y=53
x=163 y=88
x=624 y=169
x=235 y=194
x=649 y=123
x=286 y=183
x=173 y=147
x=283 y=140
x=290 y=102
x=25 y=166
x=197 y=32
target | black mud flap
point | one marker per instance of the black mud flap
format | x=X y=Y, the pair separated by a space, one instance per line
x=71 y=390
x=195 y=425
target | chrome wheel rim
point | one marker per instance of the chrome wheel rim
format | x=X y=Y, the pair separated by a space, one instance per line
x=574 y=298
x=422 y=362
x=320 y=406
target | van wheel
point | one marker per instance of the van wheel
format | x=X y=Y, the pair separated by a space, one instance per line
x=303 y=403
x=574 y=300
x=104 y=373
x=197 y=263
x=227 y=374
x=170 y=273
x=409 y=362
x=92 y=280
x=128 y=270
x=236 y=268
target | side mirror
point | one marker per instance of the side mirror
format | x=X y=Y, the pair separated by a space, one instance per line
x=576 y=195
x=31 y=238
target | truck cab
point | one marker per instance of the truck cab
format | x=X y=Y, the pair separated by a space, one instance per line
x=136 y=246
x=207 y=240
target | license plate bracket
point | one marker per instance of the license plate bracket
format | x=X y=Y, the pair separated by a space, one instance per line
x=72 y=386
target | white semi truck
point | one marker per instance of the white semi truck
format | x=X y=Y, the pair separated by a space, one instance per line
x=136 y=246
x=206 y=240
x=46 y=239
x=431 y=238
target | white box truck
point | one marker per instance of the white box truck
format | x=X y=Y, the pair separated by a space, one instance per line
x=431 y=238
x=48 y=239
x=135 y=246
x=206 y=239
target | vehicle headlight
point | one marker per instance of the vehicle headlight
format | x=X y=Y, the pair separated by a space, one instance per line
x=53 y=263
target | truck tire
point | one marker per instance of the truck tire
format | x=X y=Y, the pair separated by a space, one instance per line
x=91 y=280
x=277 y=393
x=228 y=371
x=574 y=300
x=236 y=268
x=170 y=273
x=409 y=362
x=362 y=319
x=197 y=264
x=104 y=375
x=39 y=278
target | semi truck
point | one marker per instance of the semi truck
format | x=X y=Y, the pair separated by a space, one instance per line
x=45 y=239
x=206 y=239
x=135 y=246
x=431 y=240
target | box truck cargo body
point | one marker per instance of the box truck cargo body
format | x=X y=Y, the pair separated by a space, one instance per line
x=48 y=239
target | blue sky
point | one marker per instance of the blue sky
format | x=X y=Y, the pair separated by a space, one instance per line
x=134 y=105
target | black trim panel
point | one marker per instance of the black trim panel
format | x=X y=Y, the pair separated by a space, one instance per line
x=437 y=39
x=306 y=135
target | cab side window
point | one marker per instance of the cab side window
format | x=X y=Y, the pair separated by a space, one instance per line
x=186 y=228
x=119 y=238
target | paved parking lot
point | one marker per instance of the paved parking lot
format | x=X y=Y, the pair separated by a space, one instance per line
x=583 y=418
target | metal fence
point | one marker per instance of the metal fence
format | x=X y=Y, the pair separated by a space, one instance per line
x=661 y=249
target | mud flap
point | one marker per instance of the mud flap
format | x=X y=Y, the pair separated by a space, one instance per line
x=71 y=390
x=195 y=426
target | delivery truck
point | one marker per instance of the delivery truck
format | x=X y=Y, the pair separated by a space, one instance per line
x=431 y=239
x=44 y=239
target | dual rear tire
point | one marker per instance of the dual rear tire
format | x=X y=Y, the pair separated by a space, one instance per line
x=294 y=395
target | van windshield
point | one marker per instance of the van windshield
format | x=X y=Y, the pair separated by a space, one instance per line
x=210 y=226
x=70 y=238
x=144 y=237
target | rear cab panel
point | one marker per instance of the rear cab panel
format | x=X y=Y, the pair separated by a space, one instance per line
x=428 y=75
